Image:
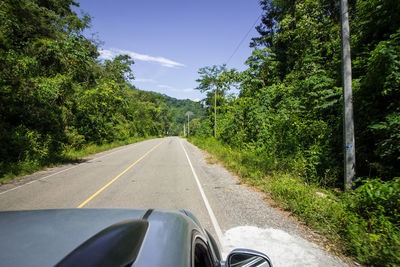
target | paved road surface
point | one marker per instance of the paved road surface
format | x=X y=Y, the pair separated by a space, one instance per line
x=170 y=173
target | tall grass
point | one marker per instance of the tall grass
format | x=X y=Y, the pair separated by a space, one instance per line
x=364 y=224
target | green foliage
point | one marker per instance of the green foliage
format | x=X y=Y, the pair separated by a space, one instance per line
x=373 y=222
x=216 y=81
x=209 y=78
x=380 y=92
x=286 y=122
x=289 y=105
x=178 y=109
x=56 y=96
x=377 y=199
x=364 y=223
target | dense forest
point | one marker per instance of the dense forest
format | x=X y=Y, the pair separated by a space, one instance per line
x=179 y=110
x=175 y=111
x=287 y=118
x=56 y=95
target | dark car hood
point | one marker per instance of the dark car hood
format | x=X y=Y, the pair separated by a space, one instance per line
x=45 y=237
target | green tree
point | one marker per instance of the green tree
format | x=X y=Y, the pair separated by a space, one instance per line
x=56 y=95
x=215 y=81
x=209 y=82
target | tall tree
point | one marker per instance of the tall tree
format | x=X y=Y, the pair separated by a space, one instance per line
x=56 y=95
x=209 y=81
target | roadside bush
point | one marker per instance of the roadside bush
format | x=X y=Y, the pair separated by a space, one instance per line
x=375 y=198
x=364 y=223
x=373 y=222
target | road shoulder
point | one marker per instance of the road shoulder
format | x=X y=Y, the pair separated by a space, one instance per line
x=239 y=205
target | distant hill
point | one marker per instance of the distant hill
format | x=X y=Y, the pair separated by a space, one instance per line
x=177 y=109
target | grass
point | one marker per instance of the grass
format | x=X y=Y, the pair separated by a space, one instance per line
x=363 y=224
x=19 y=169
x=93 y=148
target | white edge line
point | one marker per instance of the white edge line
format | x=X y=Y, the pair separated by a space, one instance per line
x=207 y=204
x=12 y=189
x=48 y=176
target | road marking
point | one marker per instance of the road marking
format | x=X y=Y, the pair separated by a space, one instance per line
x=50 y=175
x=203 y=195
x=119 y=175
x=12 y=189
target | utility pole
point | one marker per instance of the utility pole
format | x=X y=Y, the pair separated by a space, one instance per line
x=184 y=129
x=348 y=119
x=188 y=115
x=215 y=113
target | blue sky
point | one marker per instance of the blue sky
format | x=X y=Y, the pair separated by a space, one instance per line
x=170 y=40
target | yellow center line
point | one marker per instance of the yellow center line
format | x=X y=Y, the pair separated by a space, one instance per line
x=119 y=175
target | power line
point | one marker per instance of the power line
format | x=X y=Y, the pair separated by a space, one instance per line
x=237 y=48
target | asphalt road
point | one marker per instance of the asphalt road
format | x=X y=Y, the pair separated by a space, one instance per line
x=170 y=173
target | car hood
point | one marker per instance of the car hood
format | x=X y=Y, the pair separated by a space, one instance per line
x=45 y=237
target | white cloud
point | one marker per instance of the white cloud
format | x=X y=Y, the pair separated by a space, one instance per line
x=106 y=54
x=171 y=88
x=144 y=80
x=167 y=87
x=110 y=53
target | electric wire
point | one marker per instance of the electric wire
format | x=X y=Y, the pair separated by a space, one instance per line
x=237 y=48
